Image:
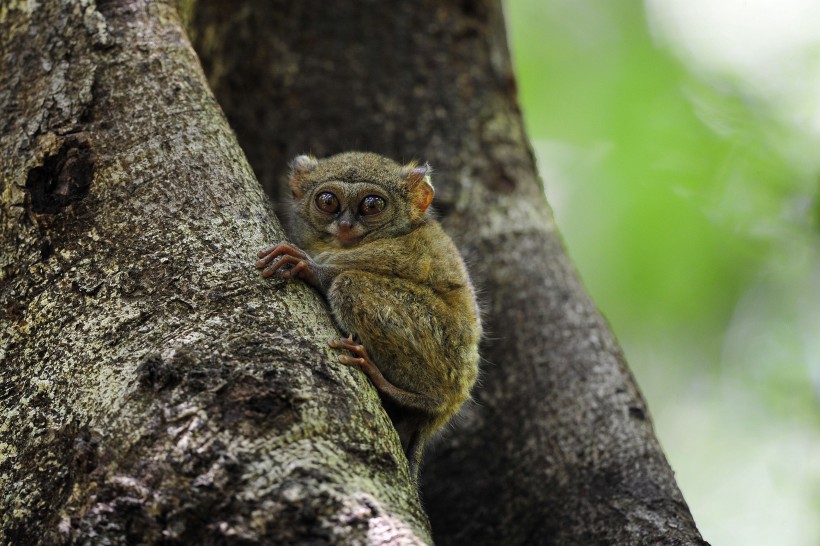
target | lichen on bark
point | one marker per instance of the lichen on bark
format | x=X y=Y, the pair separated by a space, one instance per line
x=154 y=388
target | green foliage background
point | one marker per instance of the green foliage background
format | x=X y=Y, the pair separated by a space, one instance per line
x=690 y=206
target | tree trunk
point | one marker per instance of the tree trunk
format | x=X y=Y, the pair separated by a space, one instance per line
x=558 y=447
x=154 y=388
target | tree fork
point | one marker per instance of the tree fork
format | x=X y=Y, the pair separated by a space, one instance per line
x=559 y=446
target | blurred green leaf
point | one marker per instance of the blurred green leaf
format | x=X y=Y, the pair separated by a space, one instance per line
x=690 y=202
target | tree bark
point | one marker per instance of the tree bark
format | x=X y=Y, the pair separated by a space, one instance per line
x=154 y=388
x=558 y=447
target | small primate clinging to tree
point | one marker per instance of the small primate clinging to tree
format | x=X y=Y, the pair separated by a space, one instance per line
x=364 y=237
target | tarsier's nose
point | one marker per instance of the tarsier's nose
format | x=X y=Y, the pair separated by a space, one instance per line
x=345 y=232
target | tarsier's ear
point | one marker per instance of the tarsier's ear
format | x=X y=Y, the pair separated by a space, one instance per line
x=299 y=168
x=417 y=178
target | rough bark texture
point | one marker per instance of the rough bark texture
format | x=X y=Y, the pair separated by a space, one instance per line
x=559 y=447
x=153 y=389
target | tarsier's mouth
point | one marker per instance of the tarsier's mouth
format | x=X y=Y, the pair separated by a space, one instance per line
x=346 y=236
x=348 y=239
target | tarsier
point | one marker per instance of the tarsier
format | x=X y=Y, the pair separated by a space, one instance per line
x=363 y=237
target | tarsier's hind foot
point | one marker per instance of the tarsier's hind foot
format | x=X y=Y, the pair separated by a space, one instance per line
x=407 y=400
x=361 y=359
x=412 y=442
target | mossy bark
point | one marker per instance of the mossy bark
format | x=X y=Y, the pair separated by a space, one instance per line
x=559 y=447
x=153 y=388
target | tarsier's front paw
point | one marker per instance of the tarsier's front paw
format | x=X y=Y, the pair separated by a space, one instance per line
x=289 y=262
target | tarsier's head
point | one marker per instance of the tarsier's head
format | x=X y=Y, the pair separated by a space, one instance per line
x=354 y=197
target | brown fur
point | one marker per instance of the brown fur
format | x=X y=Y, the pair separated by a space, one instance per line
x=395 y=282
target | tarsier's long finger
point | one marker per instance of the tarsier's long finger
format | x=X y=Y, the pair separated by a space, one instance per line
x=275 y=266
x=295 y=270
x=286 y=248
x=265 y=260
x=270 y=253
x=265 y=251
x=353 y=361
x=348 y=345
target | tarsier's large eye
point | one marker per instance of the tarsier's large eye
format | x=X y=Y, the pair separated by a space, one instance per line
x=370 y=205
x=327 y=202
